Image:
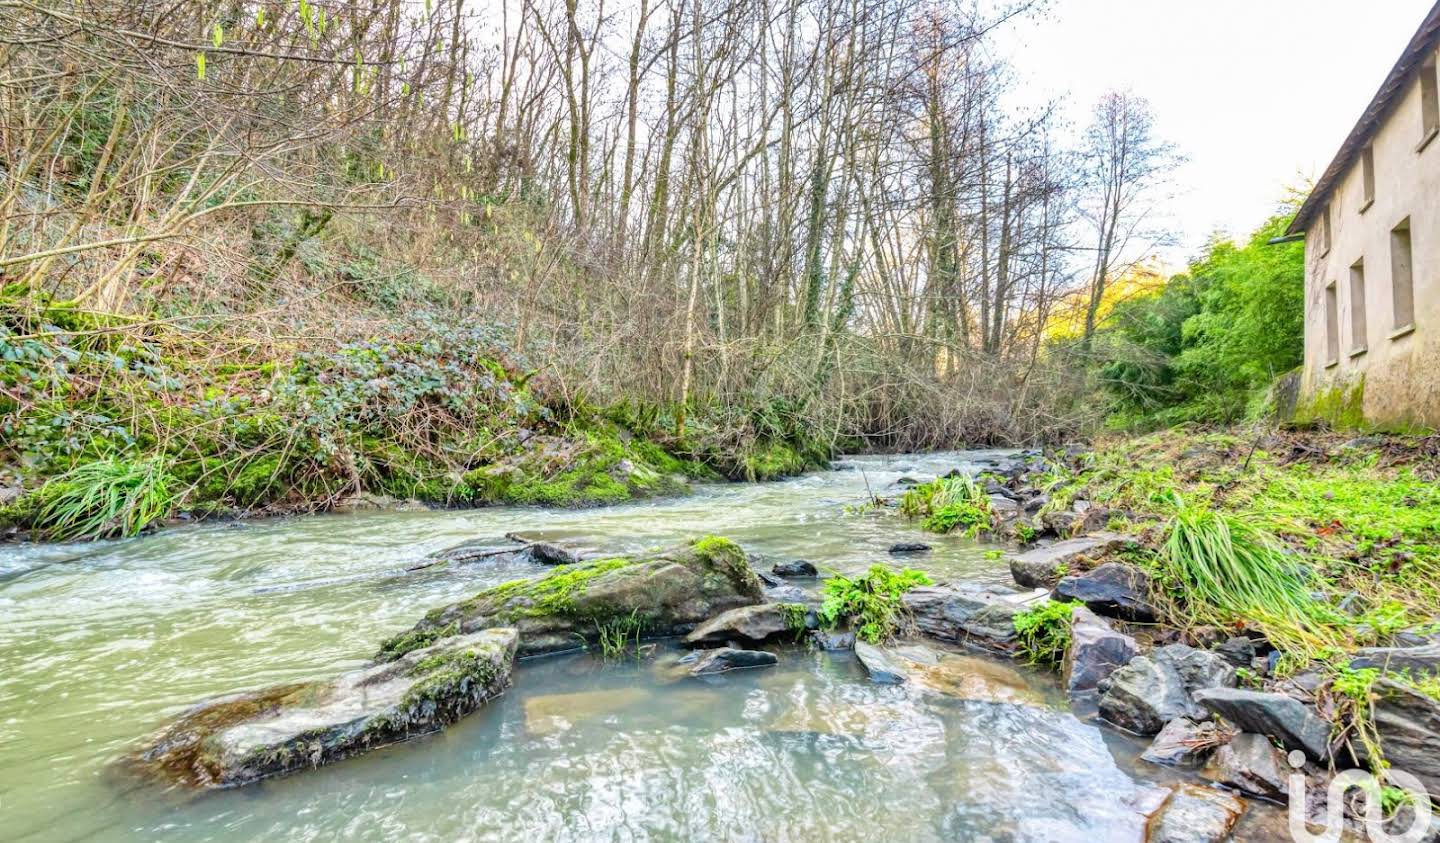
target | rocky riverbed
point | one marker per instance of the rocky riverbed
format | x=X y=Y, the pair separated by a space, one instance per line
x=707 y=696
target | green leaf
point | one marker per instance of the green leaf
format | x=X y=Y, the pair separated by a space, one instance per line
x=217 y=35
x=200 y=66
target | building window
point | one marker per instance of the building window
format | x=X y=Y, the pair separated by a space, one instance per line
x=1367 y=174
x=1402 y=278
x=1358 y=338
x=1429 y=104
x=1325 y=232
x=1332 y=326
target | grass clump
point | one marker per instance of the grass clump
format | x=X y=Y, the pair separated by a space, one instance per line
x=871 y=602
x=616 y=635
x=106 y=498
x=1226 y=568
x=1045 y=632
x=950 y=503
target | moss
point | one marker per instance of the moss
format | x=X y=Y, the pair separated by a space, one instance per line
x=605 y=470
x=551 y=594
x=415 y=639
x=1341 y=406
x=445 y=674
x=771 y=460
x=795 y=616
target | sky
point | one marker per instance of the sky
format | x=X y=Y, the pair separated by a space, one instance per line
x=1256 y=94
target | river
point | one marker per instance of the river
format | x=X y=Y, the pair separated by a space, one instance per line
x=100 y=643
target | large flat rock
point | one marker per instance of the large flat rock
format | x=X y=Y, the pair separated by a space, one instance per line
x=1044 y=566
x=239 y=739
x=1288 y=720
x=969 y=612
x=661 y=595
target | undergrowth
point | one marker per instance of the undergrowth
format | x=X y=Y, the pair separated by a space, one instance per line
x=947 y=504
x=1045 y=632
x=871 y=603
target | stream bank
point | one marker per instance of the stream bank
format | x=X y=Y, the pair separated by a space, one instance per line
x=108 y=641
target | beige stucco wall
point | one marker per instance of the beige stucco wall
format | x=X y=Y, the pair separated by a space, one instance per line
x=1396 y=381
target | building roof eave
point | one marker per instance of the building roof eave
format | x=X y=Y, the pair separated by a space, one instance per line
x=1384 y=101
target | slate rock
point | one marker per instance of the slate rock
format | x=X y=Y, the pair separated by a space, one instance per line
x=983 y=615
x=909 y=547
x=1195 y=814
x=750 y=624
x=1199 y=669
x=243 y=738
x=664 y=594
x=833 y=640
x=882 y=666
x=1042 y=566
x=1144 y=695
x=722 y=659
x=1183 y=743
x=795 y=569
x=1251 y=764
x=1422 y=660
x=1114 y=589
x=1408 y=723
x=1285 y=718
x=1238 y=651
x=1096 y=650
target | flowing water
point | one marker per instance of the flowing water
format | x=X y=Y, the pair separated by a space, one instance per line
x=101 y=643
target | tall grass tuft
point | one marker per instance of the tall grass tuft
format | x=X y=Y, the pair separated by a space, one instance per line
x=1229 y=569
x=104 y=499
x=948 y=503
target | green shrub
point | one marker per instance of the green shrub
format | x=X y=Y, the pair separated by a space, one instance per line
x=1045 y=632
x=950 y=503
x=872 y=602
x=104 y=498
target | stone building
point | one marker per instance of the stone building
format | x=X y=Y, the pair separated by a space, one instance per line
x=1372 y=257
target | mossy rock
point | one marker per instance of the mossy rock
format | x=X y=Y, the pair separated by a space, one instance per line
x=661 y=595
x=593 y=469
x=246 y=737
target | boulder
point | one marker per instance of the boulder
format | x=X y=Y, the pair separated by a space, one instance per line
x=661 y=595
x=1238 y=651
x=976 y=678
x=1113 y=589
x=968 y=612
x=1182 y=743
x=242 y=738
x=1095 y=651
x=882 y=666
x=769 y=580
x=909 y=547
x=1199 y=669
x=707 y=662
x=1144 y=695
x=833 y=640
x=790 y=594
x=1043 y=566
x=549 y=553
x=1004 y=506
x=1036 y=503
x=1422 y=660
x=753 y=625
x=795 y=569
x=1408 y=723
x=1074 y=522
x=1285 y=718
x=1195 y=814
x=1250 y=764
